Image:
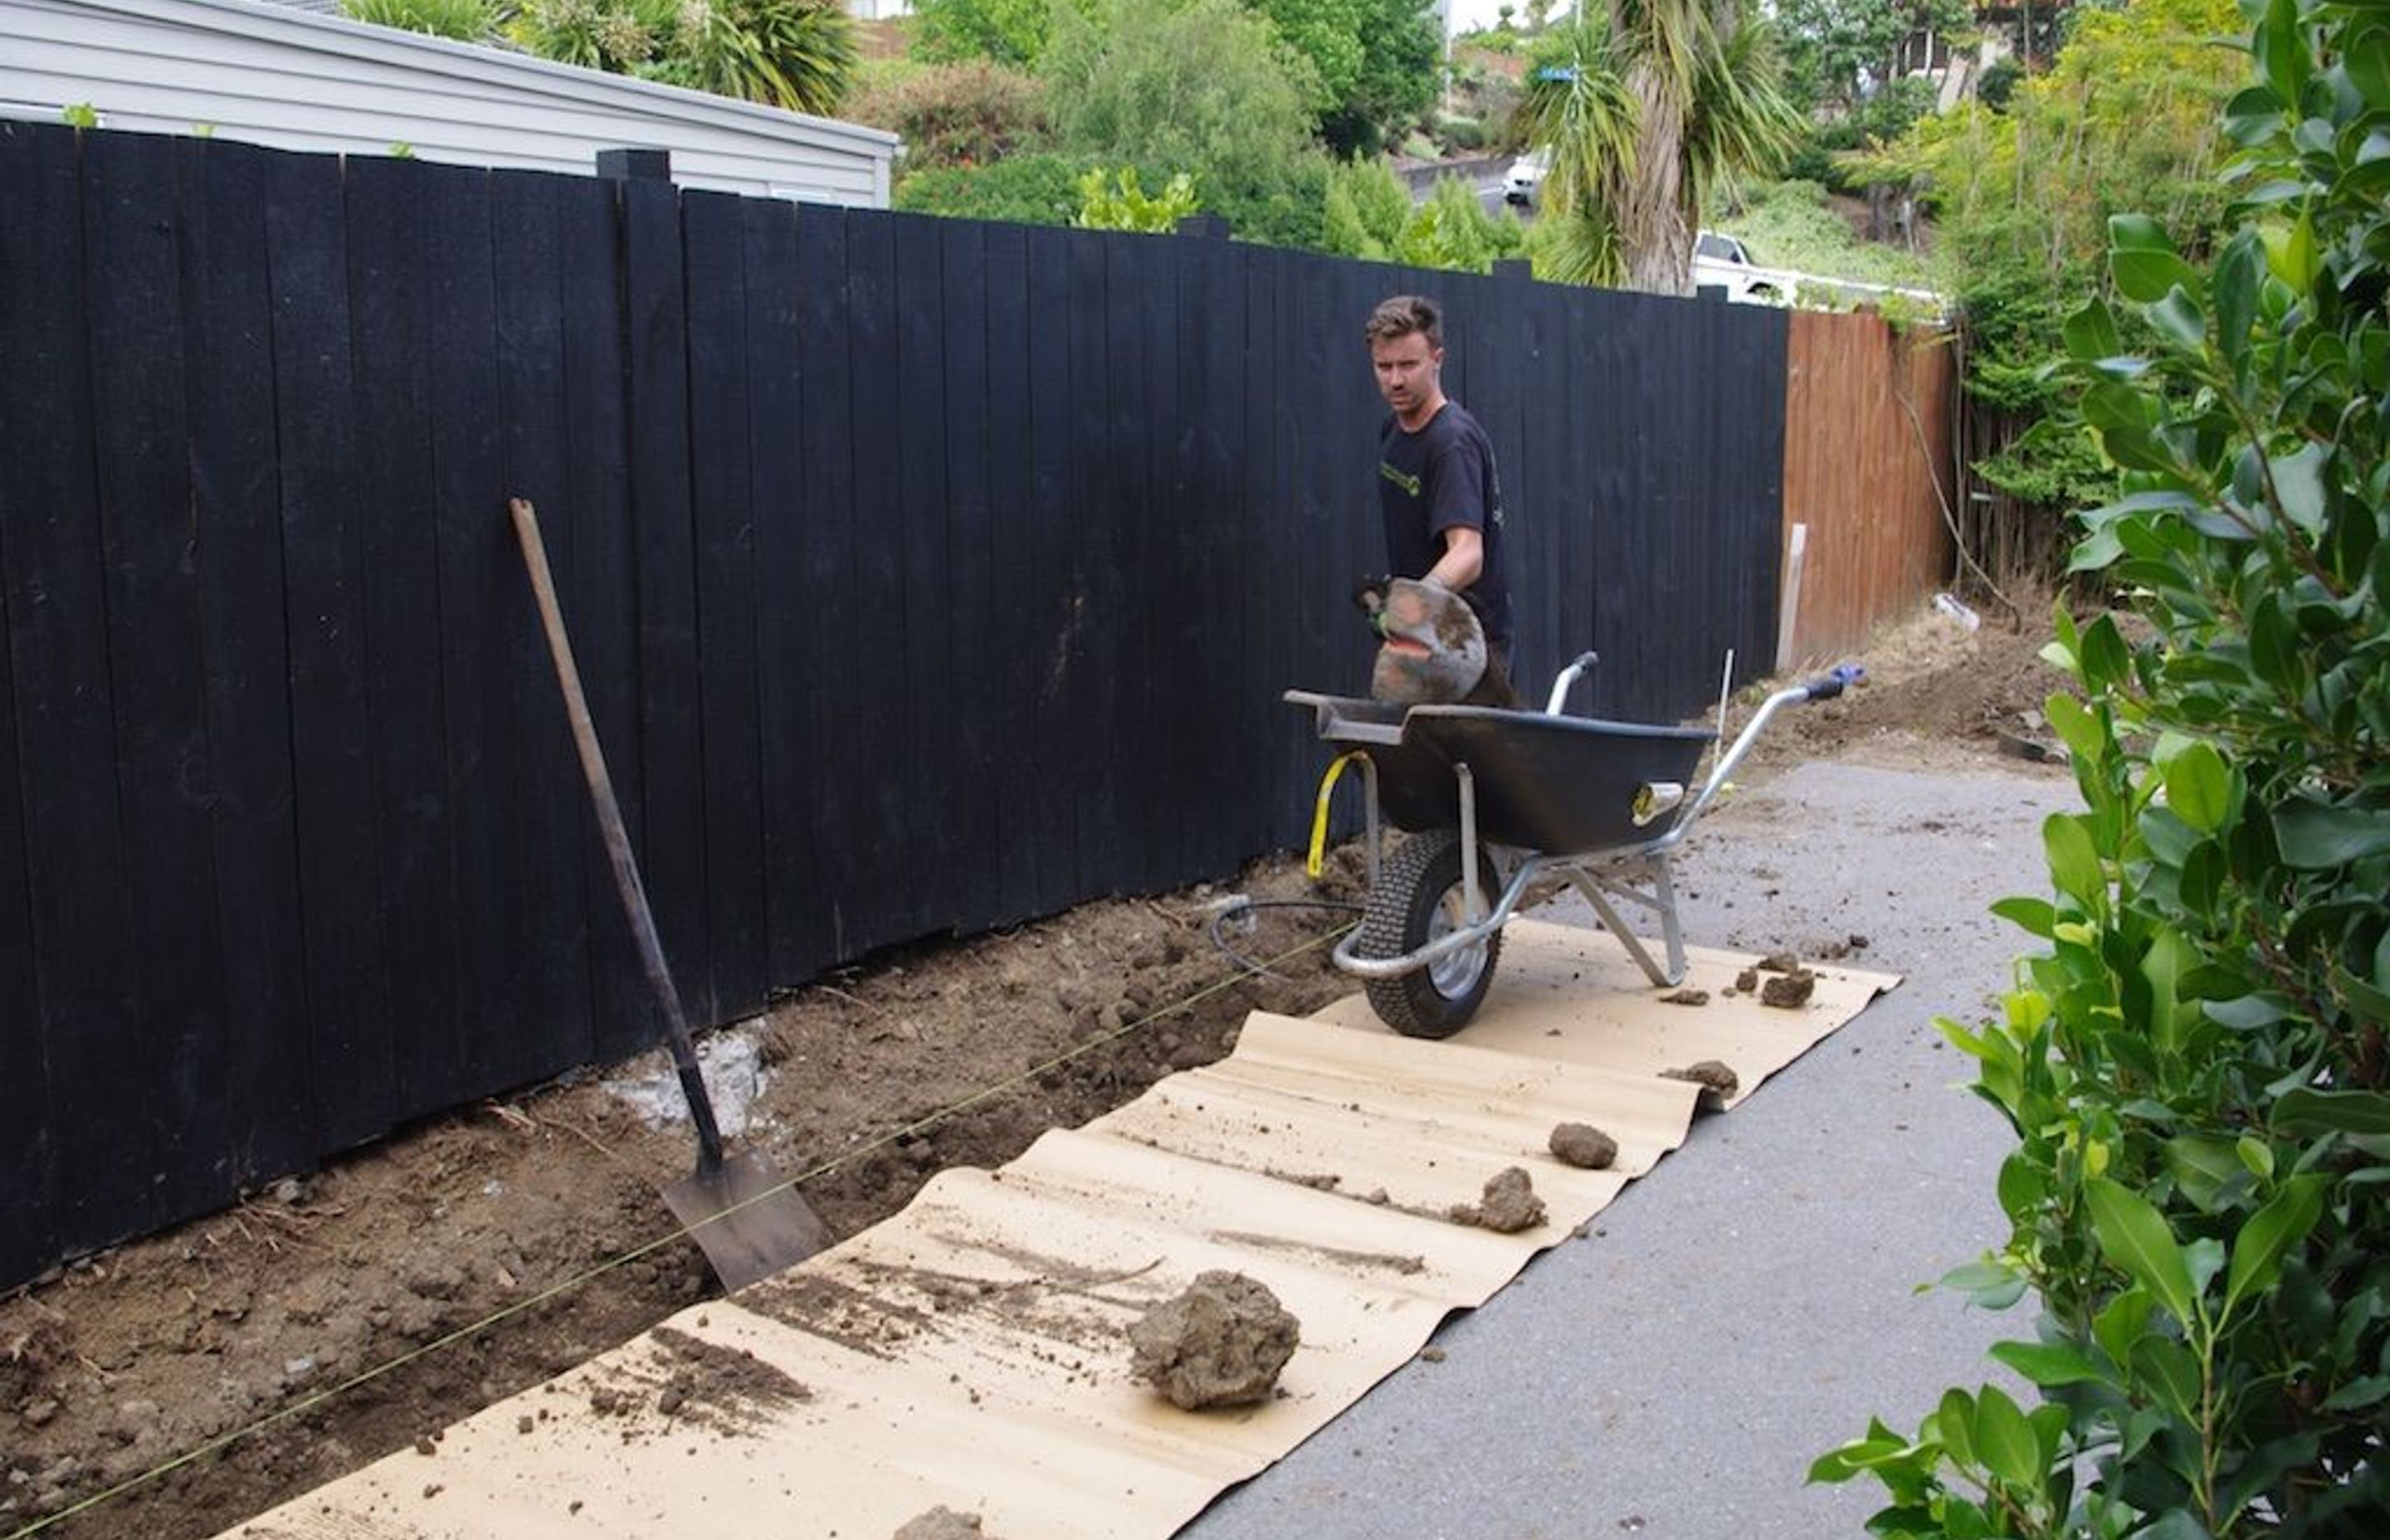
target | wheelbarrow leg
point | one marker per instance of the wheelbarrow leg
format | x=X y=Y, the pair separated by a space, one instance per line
x=1599 y=887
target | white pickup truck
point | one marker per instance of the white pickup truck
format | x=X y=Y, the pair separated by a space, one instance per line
x=1722 y=261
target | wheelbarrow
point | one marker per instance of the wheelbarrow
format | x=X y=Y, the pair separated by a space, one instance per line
x=1493 y=799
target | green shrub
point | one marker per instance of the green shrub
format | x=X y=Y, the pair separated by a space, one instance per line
x=955 y=114
x=2196 y=1064
x=463 y=20
x=1026 y=190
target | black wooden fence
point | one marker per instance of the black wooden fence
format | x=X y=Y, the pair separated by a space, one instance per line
x=927 y=575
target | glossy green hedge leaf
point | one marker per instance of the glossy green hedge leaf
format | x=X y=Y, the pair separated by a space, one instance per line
x=2147 y=277
x=2138 y=233
x=2281 y=49
x=2133 y=1235
x=2318 y=836
x=2006 y=1442
x=2074 y=861
x=2091 y=333
x=2107 y=660
x=2075 y=728
x=2298 y=486
x=2035 y=916
x=2356 y=1394
x=2203 y=1168
x=2256 y=1154
x=2167 y=1371
x=2250 y=1012
x=2312 y=1112
x=2121 y=1323
x=2177 y=318
x=2051 y=1363
x=1954 y=1423
x=2239 y=274
x=2283 y=1223
x=2291 y=253
x=2198 y=787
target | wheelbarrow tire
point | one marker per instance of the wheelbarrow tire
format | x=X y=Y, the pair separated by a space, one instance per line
x=1418 y=898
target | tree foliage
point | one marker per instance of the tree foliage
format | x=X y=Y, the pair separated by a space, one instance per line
x=969 y=114
x=1370 y=214
x=2123 y=120
x=1117 y=200
x=1842 y=55
x=1120 y=80
x=458 y=20
x=2196 y=1066
x=794 y=53
x=1003 y=31
x=1376 y=61
x=1647 y=105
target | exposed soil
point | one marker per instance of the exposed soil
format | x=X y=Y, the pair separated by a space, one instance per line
x=340 y=1317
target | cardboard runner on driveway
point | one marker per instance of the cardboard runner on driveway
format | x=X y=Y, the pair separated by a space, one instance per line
x=971 y=1351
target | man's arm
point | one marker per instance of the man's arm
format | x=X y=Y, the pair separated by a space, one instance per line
x=1463 y=558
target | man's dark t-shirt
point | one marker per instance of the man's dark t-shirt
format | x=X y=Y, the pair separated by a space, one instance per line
x=1434 y=480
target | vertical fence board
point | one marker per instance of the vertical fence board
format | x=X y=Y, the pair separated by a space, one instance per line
x=1017 y=610
x=543 y=793
x=833 y=702
x=671 y=845
x=600 y=586
x=925 y=696
x=787 y=518
x=414 y=806
x=353 y=1071
x=255 y=914
x=974 y=617
x=55 y=981
x=721 y=481
x=1053 y=602
x=870 y=724
x=58 y=650
x=1095 y=505
x=482 y=613
x=174 y=1093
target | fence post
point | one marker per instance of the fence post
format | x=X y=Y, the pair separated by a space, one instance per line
x=627 y=165
x=1204 y=226
x=1516 y=269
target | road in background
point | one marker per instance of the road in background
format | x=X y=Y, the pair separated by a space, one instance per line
x=1753 y=1301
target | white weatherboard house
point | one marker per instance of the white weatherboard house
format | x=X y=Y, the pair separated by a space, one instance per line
x=273 y=74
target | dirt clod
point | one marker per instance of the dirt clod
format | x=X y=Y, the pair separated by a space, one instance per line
x=1584 y=1146
x=942 y=1523
x=1508 y=1205
x=1219 y=1342
x=1709 y=1074
x=1685 y=998
x=1786 y=991
x=1780 y=962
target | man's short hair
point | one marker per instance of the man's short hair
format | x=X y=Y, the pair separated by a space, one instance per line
x=1402 y=315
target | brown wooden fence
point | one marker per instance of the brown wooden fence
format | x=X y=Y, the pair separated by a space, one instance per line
x=1868 y=473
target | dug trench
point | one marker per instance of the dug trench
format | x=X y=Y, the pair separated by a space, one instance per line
x=241 y=1359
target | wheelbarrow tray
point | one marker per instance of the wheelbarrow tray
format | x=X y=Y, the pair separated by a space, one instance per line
x=1559 y=785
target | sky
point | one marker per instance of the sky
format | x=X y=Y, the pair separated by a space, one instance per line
x=1468 y=16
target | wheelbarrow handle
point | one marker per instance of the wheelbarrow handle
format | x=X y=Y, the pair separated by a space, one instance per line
x=1824 y=687
x=1827 y=685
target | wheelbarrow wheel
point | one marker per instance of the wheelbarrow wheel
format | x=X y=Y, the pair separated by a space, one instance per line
x=1420 y=899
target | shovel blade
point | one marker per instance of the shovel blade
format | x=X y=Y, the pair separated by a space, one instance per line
x=746 y=1228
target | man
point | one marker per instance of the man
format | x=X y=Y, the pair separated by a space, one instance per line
x=1436 y=483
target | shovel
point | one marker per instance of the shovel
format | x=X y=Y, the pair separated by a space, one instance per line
x=748 y=1217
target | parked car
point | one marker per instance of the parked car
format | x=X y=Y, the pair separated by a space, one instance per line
x=1724 y=263
x=1526 y=178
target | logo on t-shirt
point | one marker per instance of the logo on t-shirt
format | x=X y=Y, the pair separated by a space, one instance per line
x=1408 y=483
